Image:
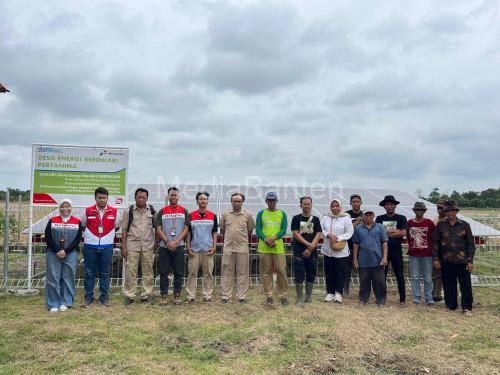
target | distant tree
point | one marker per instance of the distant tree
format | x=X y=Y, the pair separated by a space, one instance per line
x=434 y=196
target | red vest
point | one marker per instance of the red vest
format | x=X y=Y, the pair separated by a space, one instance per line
x=92 y=235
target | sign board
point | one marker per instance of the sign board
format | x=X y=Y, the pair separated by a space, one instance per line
x=74 y=172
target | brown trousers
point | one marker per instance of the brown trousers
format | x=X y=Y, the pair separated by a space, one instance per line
x=146 y=257
x=231 y=263
x=266 y=274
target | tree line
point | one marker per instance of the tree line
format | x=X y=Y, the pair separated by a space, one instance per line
x=489 y=198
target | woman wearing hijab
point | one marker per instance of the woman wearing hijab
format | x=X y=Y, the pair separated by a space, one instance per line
x=62 y=236
x=337 y=229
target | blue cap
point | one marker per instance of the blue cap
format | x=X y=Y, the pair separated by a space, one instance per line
x=271 y=196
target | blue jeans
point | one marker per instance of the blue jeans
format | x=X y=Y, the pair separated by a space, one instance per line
x=421 y=266
x=97 y=260
x=60 y=279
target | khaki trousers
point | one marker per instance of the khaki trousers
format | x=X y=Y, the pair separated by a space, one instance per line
x=207 y=265
x=266 y=274
x=231 y=263
x=146 y=258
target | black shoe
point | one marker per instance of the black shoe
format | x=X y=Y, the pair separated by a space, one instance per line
x=269 y=301
x=242 y=301
x=437 y=299
x=87 y=303
x=284 y=302
x=224 y=301
x=128 y=302
x=149 y=300
x=105 y=303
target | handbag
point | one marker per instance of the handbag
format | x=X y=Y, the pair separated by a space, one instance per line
x=339 y=245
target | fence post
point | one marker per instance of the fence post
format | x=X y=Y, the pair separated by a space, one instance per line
x=19 y=219
x=6 y=241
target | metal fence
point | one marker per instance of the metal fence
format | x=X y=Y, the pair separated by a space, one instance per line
x=14 y=268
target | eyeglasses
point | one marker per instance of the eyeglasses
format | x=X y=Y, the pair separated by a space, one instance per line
x=440 y=207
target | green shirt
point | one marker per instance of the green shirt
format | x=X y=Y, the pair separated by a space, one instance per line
x=268 y=224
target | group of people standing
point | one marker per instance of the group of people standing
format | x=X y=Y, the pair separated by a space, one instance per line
x=440 y=251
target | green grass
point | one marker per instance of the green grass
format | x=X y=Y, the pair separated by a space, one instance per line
x=253 y=339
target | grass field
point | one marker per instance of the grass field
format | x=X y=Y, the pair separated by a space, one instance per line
x=251 y=339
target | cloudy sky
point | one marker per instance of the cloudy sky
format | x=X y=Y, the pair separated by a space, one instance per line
x=363 y=94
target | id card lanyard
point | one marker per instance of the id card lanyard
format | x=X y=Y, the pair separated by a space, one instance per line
x=100 y=228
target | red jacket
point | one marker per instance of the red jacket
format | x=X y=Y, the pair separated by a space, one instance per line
x=92 y=221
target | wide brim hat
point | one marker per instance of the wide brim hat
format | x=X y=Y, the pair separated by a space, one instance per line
x=388 y=198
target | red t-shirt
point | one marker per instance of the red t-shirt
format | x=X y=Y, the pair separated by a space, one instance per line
x=420 y=238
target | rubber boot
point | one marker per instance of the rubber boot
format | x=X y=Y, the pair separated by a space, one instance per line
x=309 y=291
x=299 y=289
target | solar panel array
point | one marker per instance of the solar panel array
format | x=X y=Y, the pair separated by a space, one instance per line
x=288 y=200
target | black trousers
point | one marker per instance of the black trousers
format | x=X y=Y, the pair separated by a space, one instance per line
x=451 y=273
x=395 y=259
x=335 y=274
x=171 y=261
x=305 y=268
x=372 y=277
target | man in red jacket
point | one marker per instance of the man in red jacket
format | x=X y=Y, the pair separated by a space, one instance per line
x=100 y=222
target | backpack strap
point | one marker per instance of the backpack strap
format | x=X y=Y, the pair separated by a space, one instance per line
x=130 y=216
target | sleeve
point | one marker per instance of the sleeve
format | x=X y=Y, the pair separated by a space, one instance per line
x=379 y=219
x=222 y=224
x=436 y=239
x=76 y=242
x=470 y=245
x=284 y=226
x=125 y=219
x=324 y=226
x=384 y=237
x=317 y=225
x=258 y=227
x=187 y=220
x=402 y=223
x=83 y=218
x=432 y=229
x=216 y=225
x=51 y=245
x=158 y=221
x=355 y=237
x=349 y=230
x=295 y=223
x=251 y=223
x=117 y=220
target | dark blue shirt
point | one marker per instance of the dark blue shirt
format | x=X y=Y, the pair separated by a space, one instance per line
x=370 y=244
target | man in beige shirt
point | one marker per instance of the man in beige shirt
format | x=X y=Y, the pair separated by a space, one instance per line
x=236 y=226
x=138 y=244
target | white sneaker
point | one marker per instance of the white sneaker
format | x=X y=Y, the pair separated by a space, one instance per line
x=63 y=308
x=329 y=298
x=338 y=298
x=54 y=310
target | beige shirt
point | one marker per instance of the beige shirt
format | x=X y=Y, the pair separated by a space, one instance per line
x=236 y=227
x=141 y=235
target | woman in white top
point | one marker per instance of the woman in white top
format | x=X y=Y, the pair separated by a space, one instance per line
x=337 y=229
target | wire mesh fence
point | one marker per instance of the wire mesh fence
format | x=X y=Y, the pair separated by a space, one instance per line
x=14 y=269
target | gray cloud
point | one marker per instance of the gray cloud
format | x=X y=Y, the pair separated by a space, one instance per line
x=338 y=92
